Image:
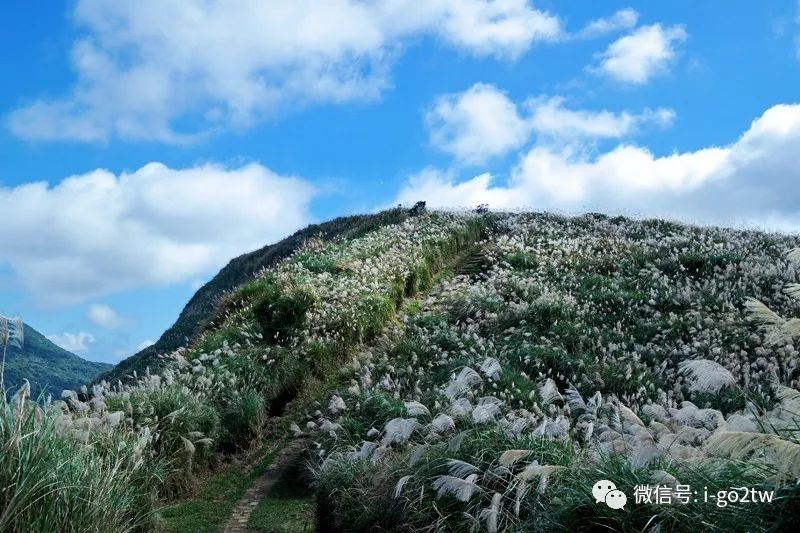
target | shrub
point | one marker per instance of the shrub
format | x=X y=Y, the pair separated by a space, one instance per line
x=281 y=312
x=242 y=418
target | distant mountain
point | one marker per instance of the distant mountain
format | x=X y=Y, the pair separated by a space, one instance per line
x=49 y=368
x=200 y=308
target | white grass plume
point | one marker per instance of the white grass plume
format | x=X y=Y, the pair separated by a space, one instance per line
x=761 y=313
x=549 y=392
x=543 y=472
x=401 y=483
x=575 y=401
x=417 y=409
x=458 y=468
x=777 y=327
x=462 y=383
x=443 y=423
x=491 y=368
x=703 y=375
x=509 y=457
x=12 y=332
x=399 y=430
x=461 y=489
x=491 y=513
x=454 y=444
x=793 y=290
x=782 y=453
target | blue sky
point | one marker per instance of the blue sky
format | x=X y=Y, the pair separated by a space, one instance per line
x=144 y=144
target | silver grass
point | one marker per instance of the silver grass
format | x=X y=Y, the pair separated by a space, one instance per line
x=443 y=423
x=454 y=444
x=629 y=416
x=417 y=453
x=704 y=375
x=793 y=290
x=762 y=314
x=575 y=401
x=417 y=409
x=399 y=430
x=398 y=488
x=789 y=398
x=462 y=383
x=491 y=513
x=782 y=453
x=491 y=368
x=12 y=332
x=548 y=391
x=543 y=472
x=188 y=446
x=509 y=457
x=461 y=489
x=794 y=255
x=458 y=468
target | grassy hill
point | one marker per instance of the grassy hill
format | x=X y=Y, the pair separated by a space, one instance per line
x=49 y=368
x=469 y=372
x=200 y=308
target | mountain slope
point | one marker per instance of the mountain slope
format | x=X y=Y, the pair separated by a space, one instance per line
x=482 y=371
x=200 y=308
x=49 y=368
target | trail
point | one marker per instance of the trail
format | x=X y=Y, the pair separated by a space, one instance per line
x=237 y=522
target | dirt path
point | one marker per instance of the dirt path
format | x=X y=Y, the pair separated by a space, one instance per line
x=237 y=523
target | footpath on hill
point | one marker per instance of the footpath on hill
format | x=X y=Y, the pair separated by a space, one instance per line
x=281 y=491
x=281 y=465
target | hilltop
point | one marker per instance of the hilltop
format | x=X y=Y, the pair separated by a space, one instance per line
x=472 y=371
x=49 y=368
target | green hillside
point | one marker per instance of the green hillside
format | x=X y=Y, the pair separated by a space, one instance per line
x=468 y=371
x=200 y=308
x=49 y=368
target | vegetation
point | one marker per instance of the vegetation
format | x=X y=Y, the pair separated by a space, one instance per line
x=462 y=372
x=48 y=368
x=209 y=505
x=202 y=307
x=511 y=391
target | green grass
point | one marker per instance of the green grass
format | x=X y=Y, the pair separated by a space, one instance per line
x=289 y=506
x=213 y=503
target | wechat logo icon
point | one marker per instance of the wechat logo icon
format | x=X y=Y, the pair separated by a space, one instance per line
x=606 y=491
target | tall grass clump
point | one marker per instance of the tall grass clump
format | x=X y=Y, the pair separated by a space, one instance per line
x=51 y=481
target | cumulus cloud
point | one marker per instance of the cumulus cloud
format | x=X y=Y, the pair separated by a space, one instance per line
x=483 y=122
x=98 y=233
x=480 y=123
x=550 y=117
x=753 y=180
x=624 y=19
x=73 y=342
x=143 y=67
x=104 y=316
x=641 y=55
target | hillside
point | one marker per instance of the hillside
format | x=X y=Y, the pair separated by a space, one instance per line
x=200 y=308
x=49 y=368
x=474 y=372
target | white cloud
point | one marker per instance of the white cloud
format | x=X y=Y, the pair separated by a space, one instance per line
x=104 y=316
x=641 y=55
x=624 y=19
x=483 y=122
x=98 y=233
x=750 y=181
x=480 y=123
x=549 y=117
x=143 y=67
x=73 y=342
